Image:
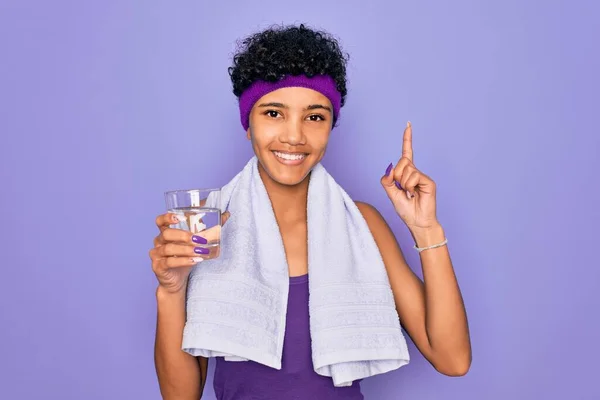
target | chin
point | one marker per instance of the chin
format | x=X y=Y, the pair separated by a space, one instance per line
x=288 y=169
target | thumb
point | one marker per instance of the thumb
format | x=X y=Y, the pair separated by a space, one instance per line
x=224 y=217
x=392 y=187
x=388 y=182
x=213 y=233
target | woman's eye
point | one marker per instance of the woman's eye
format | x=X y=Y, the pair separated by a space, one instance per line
x=316 y=117
x=272 y=113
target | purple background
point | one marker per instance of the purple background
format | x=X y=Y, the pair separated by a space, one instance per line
x=106 y=104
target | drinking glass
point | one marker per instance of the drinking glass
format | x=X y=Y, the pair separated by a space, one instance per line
x=198 y=211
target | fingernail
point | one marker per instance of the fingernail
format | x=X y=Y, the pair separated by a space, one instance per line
x=408 y=124
x=389 y=168
x=408 y=196
x=398 y=185
x=199 y=239
x=200 y=250
x=197 y=259
x=178 y=218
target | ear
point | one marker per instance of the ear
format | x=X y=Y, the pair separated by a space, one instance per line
x=248 y=135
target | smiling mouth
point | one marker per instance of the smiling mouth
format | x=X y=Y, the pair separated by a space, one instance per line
x=290 y=156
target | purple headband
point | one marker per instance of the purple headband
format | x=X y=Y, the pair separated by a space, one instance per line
x=323 y=84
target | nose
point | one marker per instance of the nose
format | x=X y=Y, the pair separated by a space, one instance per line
x=293 y=133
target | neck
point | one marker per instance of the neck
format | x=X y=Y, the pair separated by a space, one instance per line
x=289 y=202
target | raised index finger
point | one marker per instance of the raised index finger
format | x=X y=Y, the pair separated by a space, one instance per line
x=407 y=150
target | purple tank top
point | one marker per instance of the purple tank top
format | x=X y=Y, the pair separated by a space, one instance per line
x=297 y=379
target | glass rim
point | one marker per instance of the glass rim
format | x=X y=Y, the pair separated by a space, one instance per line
x=191 y=190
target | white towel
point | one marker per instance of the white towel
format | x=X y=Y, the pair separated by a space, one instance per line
x=237 y=303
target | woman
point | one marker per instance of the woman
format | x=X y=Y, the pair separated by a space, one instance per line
x=289 y=129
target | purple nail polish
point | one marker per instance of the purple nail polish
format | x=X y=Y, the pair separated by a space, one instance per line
x=389 y=168
x=387 y=172
x=199 y=239
x=200 y=250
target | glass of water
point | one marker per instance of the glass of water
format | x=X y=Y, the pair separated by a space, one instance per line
x=198 y=211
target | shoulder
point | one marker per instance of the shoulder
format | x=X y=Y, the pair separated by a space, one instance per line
x=369 y=213
x=375 y=220
x=383 y=235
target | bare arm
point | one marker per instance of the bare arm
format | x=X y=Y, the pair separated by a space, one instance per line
x=181 y=376
x=432 y=312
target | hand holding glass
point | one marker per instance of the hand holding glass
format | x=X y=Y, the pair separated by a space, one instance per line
x=197 y=211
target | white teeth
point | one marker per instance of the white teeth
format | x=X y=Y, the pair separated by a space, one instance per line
x=290 y=157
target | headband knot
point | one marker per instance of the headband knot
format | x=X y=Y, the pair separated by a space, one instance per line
x=323 y=84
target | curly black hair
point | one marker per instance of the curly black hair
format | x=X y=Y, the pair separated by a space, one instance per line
x=278 y=51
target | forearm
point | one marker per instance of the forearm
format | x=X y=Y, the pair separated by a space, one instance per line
x=445 y=316
x=178 y=372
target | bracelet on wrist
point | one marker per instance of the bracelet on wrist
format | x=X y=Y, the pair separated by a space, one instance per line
x=433 y=246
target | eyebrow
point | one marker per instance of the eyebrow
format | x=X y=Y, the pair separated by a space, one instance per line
x=281 y=105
